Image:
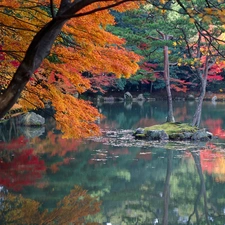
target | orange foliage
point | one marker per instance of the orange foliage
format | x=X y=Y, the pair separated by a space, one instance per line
x=213 y=163
x=215 y=126
x=84 y=45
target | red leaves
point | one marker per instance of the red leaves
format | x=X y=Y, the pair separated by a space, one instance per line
x=19 y=166
x=25 y=169
x=2 y=56
x=15 y=63
x=143 y=46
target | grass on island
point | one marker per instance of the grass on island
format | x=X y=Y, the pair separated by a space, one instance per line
x=172 y=128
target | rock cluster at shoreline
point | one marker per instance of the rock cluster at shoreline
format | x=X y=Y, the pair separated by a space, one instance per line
x=173 y=132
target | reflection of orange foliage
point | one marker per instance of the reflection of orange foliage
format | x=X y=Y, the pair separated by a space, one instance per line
x=215 y=126
x=55 y=167
x=55 y=144
x=72 y=209
x=213 y=163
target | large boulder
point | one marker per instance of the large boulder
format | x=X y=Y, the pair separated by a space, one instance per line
x=138 y=132
x=128 y=96
x=32 y=119
x=201 y=135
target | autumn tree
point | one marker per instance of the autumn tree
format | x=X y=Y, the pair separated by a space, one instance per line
x=206 y=65
x=204 y=49
x=200 y=33
x=66 y=38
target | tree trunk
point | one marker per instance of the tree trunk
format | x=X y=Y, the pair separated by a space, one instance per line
x=198 y=112
x=203 y=76
x=37 y=51
x=170 y=117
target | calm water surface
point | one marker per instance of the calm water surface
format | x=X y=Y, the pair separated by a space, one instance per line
x=114 y=180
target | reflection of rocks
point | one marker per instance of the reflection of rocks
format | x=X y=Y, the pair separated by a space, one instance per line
x=109 y=99
x=214 y=98
x=31 y=119
x=128 y=105
x=32 y=131
x=190 y=97
x=140 y=97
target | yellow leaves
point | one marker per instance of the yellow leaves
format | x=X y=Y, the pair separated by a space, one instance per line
x=174 y=44
x=208 y=10
x=179 y=62
x=190 y=11
x=207 y=19
x=163 y=1
x=192 y=62
x=204 y=51
x=192 y=20
x=163 y=11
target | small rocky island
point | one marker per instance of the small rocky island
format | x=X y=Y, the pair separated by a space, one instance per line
x=173 y=131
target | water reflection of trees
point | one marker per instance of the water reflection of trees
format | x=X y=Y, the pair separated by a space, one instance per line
x=19 y=166
x=134 y=187
x=177 y=196
x=74 y=208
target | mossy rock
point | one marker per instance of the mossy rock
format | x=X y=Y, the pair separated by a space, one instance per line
x=171 y=128
x=175 y=131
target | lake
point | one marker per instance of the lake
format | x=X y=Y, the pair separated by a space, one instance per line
x=114 y=179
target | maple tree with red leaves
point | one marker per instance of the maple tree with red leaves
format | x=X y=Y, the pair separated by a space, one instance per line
x=66 y=39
